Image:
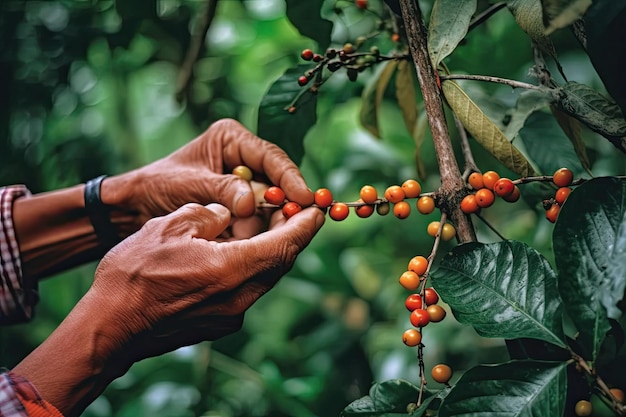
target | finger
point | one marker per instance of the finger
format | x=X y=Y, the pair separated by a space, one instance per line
x=248 y=227
x=231 y=191
x=209 y=221
x=271 y=252
x=240 y=146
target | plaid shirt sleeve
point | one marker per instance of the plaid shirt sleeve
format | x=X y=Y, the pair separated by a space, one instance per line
x=19 y=398
x=17 y=297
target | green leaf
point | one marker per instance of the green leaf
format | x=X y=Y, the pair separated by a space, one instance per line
x=512 y=389
x=573 y=130
x=590 y=254
x=305 y=16
x=449 y=21
x=605 y=29
x=431 y=403
x=385 y=399
x=527 y=103
x=276 y=124
x=484 y=130
x=372 y=98
x=593 y=109
x=529 y=17
x=405 y=93
x=504 y=289
x=558 y=14
x=547 y=146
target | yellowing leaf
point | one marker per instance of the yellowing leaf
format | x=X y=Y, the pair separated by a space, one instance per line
x=372 y=97
x=572 y=128
x=484 y=130
x=561 y=13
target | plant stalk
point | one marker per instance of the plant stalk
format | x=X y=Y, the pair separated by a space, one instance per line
x=452 y=185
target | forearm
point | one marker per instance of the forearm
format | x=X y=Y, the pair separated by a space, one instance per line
x=54 y=231
x=76 y=363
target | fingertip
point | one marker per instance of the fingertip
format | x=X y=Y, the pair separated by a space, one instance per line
x=219 y=210
x=244 y=204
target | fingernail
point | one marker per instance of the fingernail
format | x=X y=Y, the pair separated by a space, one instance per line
x=218 y=209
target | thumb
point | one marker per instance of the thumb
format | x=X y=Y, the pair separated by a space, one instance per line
x=233 y=192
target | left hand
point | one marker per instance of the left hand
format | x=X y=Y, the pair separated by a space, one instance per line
x=200 y=172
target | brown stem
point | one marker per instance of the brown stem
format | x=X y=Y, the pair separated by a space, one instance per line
x=619 y=408
x=195 y=46
x=452 y=186
x=491 y=79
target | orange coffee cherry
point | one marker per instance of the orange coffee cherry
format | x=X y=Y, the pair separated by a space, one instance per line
x=368 y=194
x=441 y=373
x=290 y=208
x=583 y=408
x=409 y=280
x=412 y=337
x=469 y=204
x=433 y=228
x=274 y=195
x=484 y=197
x=394 y=194
x=476 y=180
x=425 y=204
x=411 y=188
x=402 y=210
x=490 y=178
x=418 y=264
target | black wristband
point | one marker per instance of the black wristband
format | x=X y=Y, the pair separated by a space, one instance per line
x=99 y=213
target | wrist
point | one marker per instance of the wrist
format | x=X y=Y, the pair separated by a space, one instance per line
x=115 y=195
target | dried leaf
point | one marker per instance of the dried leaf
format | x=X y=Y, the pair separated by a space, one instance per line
x=484 y=130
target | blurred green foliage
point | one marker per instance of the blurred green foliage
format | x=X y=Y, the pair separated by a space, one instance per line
x=88 y=87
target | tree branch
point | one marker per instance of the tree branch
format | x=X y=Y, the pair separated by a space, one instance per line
x=488 y=78
x=195 y=46
x=452 y=186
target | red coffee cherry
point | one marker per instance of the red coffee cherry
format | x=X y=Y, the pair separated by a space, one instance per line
x=563 y=177
x=365 y=210
x=553 y=212
x=291 y=208
x=503 y=187
x=302 y=80
x=323 y=198
x=514 y=196
x=419 y=317
x=413 y=302
x=469 y=204
x=562 y=194
x=274 y=195
x=431 y=296
x=484 y=197
x=307 y=54
x=339 y=211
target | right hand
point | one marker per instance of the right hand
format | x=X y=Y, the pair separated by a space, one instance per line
x=172 y=284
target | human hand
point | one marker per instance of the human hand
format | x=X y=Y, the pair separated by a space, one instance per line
x=200 y=172
x=172 y=284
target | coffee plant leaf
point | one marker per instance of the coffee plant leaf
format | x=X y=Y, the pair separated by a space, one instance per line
x=604 y=31
x=305 y=16
x=527 y=103
x=449 y=21
x=405 y=94
x=548 y=148
x=504 y=289
x=558 y=14
x=276 y=124
x=372 y=98
x=573 y=130
x=590 y=253
x=484 y=130
x=385 y=399
x=529 y=18
x=514 y=389
x=594 y=110
x=430 y=403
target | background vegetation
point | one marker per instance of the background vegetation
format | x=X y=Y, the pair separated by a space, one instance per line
x=90 y=87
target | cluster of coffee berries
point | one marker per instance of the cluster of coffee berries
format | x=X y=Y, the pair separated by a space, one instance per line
x=486 y=187
x=562 y=178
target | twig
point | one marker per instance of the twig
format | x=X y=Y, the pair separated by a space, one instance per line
x=486 y=14
x=618 y=407
x=488 y=78
x=470 y=164
x=490 y=226
x=452 y=186
x=195 y=46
